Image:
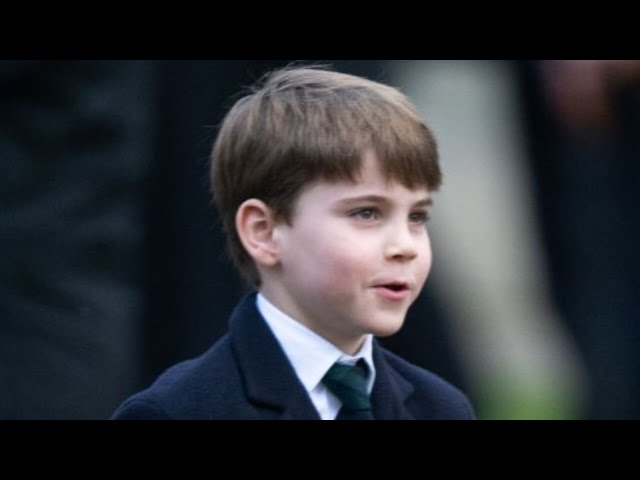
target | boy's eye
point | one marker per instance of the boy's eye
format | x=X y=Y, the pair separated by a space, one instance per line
x=421 y=217
x=365 y=214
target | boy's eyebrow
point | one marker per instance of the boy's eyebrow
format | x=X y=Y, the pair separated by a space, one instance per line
x=425 y=202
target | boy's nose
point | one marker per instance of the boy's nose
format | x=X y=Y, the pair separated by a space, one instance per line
x=401 y=245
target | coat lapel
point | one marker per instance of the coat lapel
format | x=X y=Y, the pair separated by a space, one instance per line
x=271 y=382
x=390 y=390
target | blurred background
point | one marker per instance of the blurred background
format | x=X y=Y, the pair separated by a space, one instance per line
x=113 y=268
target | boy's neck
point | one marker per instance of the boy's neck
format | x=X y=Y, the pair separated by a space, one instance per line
x=287 y=307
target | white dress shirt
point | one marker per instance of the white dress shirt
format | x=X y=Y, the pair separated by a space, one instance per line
x=311 y=356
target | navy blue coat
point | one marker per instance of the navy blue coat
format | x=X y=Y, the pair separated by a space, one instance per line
x=246 y=375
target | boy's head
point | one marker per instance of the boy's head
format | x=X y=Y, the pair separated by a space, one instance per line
x=303 y=125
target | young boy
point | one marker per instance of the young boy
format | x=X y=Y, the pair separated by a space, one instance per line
x=323 y=181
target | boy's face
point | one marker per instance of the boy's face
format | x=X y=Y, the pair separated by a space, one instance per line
x=354 y=258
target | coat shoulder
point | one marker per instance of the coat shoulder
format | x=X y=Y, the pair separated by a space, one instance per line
x=205 y=387
x=433 y=395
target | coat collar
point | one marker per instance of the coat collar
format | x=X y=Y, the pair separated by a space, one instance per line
x=390 y=390
x=271 y=382
x=273 y=386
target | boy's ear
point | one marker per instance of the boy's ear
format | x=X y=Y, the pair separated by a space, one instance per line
x=254 y=224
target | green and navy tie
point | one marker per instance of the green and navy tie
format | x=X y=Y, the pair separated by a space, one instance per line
x=349 y=384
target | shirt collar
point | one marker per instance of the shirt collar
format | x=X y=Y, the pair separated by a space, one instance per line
x=310 y=354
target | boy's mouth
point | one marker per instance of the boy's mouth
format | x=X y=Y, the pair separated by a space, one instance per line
x=393 y=290
x=395 y=286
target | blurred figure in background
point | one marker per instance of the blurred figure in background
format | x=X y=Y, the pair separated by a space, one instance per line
x=518 y=358
x=584 y=137
x=74 y=148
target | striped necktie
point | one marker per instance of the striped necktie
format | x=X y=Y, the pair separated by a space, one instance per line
x=349 y=384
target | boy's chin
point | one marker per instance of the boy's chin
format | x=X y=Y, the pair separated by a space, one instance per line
x=387 y=328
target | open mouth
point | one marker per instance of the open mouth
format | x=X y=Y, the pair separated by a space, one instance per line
x=394 y=291
x=395 y=286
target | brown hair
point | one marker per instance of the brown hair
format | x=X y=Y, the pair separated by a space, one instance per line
x=299 y=125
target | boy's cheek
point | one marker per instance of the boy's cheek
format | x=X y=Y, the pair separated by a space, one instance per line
x=350 y=264
x=340 y=276
x=424 y=274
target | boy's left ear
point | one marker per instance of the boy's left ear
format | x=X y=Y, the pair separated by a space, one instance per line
x=255 y=226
